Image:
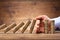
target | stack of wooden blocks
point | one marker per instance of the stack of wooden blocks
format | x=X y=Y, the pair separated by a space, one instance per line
x=49 y=29
x=13 y=28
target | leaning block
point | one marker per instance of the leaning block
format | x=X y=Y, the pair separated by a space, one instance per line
x=3 y=26
x=32 y=26
x=25 y=26
x=18 y=26
x=9 y=27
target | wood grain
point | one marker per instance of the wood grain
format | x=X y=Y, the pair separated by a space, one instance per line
x=30 y=36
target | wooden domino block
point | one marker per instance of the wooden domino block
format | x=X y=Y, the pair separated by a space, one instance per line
x=32 y=26
x=18 y=26
x=9 y=27
x=25 y=26
x=2 y=26
x=46 y=26
x=52 y=27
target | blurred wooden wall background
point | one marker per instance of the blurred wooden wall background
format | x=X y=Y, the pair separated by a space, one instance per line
x=14 y=10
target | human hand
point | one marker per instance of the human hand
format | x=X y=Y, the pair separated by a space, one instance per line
x=40 y=28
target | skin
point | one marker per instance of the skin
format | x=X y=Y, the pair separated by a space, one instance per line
x=40 y=29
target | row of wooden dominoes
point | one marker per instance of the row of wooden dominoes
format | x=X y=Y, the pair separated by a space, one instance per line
x=5 y=28
x=15 y=27
x=49 y=28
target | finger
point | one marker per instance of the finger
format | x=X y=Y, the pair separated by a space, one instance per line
x=38 y=18
x=44 y=17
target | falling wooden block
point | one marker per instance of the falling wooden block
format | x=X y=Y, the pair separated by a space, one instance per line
x=2 y=26
x=9 y=27
x=32 y=26
x=46 y=26
x=52 y=27
x=18 y=26
x=25 y=26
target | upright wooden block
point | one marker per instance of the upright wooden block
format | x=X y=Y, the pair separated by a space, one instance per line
x=25 y=26
x=52 y=26
x=18 y=26
x=32 y=26
x=46 y=26
x=9 y=27
x=3 y=26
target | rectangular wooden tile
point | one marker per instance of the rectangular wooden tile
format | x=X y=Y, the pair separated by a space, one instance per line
x=32 y=26
x=9 y=27
x=46 y=26
x=3 y=26
x=25 y=26
x=18 y=26
x=52 y=26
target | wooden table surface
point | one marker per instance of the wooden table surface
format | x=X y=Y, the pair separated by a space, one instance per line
x=29 y=36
